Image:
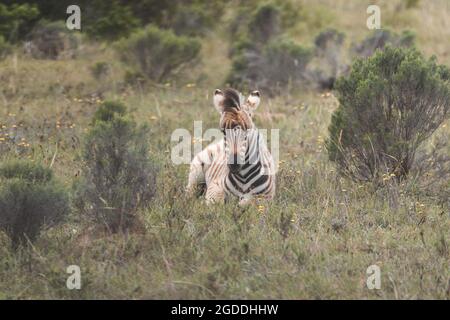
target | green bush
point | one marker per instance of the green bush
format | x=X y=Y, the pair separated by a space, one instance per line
x=110 y=20
x=280 y=63
x=388 y=106
x=120 y=176
x=273 y=17
x=108 y=111
x=29 y=200
x=265 y=23
x=17 y=20
x=262 y=57
x=100 y=69
x=158 y=54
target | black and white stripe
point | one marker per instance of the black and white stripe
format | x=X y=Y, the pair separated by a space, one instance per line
x=255 y=176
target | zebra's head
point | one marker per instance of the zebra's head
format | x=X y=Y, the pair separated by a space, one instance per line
x=236 y=123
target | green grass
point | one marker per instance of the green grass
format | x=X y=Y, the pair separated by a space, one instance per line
x=314 y=240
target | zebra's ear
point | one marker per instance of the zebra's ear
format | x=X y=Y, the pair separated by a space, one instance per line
x=253 y=101
x=218 y=100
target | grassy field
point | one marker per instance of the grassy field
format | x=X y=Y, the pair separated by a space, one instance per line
x=315 y=240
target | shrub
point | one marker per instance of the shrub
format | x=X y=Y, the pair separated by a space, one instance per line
x=100 y=70
x=379 y=39
x=157 y=53
x=281 y=62
x=120 y=177
x=388 y=106
x=273 y=17
x=29 y=200
x=261 y=56
x=109 y=20
x=17 y=20
x=192 y=20
x=265 y=23
x=51 y=40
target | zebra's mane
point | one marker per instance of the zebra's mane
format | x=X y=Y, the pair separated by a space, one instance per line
x=232 y=99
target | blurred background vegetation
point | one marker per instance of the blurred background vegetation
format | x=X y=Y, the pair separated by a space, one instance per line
x=265 y=44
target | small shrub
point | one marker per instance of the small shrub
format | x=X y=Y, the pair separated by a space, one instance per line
x=379 y=39
x=282 y=62
x=100 y=70
x=265 y=23
x=51 y=40
x=29 y=200
x=119 y=177
x=157 y=53
x=261 y=56
x=264 y=20
x=108 y=111
x=388 y=106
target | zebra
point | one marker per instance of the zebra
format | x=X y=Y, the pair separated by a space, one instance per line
x=240 y=165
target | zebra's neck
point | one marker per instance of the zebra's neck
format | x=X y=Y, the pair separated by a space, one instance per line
x=252 y=161
x=251 y=178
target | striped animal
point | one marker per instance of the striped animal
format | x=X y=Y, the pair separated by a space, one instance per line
x=240 y=165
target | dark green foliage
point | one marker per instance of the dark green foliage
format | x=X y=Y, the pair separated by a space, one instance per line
x=16 y=20
x=109 y=20
x=29 y=200
x=112 y=20
x=158 y=54
x=104 y=20
x=389 y=105
x=28 y=171
x=108 y=111
x=119 y=177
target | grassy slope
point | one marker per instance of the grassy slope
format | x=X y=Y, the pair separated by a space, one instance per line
x=314 y=241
